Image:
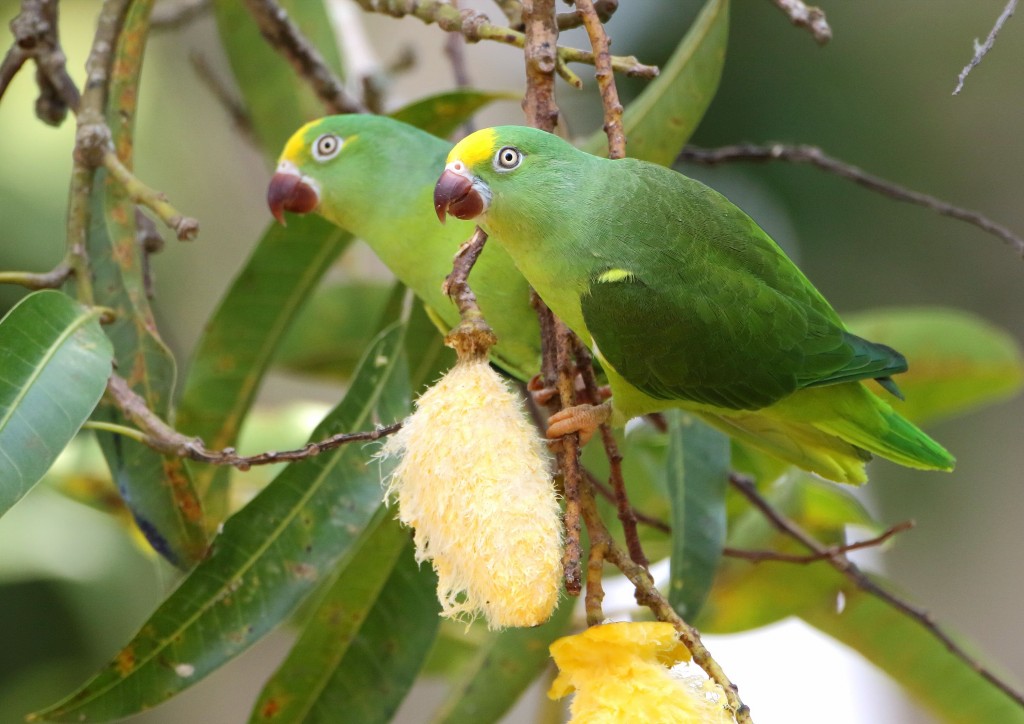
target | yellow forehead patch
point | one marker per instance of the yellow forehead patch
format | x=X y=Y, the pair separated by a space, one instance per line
x=296 y=143
x=474 y=148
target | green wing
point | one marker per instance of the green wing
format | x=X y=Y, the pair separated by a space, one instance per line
x=704 y=306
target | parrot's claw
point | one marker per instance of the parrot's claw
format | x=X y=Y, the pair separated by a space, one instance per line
x=583 y=419
x=542 y=394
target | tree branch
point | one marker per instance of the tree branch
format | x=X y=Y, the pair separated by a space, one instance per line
x=473 y=337
x=35 y=31
x=590 y=18
x=816 y=157
x=52 y=279
x=160 y=436
x=285 y=37
x=981 y=49
x=838 y=560
x=777 y=556
x=648 y=595
x=804 y=16
x=476 y=26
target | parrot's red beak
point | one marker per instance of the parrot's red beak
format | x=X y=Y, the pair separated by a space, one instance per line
x=289 y=192
x=455 y=194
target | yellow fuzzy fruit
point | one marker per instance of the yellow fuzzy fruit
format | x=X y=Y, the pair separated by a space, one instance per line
x=621 y=673
x=474 y=482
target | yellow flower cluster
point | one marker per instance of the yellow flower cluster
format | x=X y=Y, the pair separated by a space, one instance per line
x=474 y=483
x=621 y=675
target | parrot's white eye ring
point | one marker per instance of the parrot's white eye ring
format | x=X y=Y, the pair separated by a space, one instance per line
x=326 y=147
x=507 y=158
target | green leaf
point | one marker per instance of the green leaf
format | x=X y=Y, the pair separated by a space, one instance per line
x=443 y=113
x=913 y=657
x=156 y=488
x=697 y=476
x=270 y=555
x=297 y=689
x=958 y=361
x=381 y=664
x=242 y=337
x=277 y=100
x=54 y=364
x=505 y=664
x=660 y=121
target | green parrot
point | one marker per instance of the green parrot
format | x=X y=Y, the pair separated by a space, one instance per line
x=685 y=301
x=373 y=176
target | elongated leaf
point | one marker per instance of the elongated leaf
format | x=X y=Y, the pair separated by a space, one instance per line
x=660 y=121
x=912 y=656
x=505 y=664
x=380 y=665
x=243 y=335
x=958 y=361
x=278 y=102
x=269 y=556
x=156 y=488
x=442 y=113
x=698 y=476
x=294 y=689
x=54 y=365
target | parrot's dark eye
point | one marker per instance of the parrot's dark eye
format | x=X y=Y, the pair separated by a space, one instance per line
x=508 y=158
x=326 y=147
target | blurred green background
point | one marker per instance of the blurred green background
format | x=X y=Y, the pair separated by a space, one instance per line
x=73 y=587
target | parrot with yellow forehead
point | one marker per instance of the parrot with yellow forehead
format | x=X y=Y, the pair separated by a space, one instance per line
x=685 y=301
x=373 y=176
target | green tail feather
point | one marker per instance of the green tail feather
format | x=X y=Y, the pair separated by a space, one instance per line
x=833 y=431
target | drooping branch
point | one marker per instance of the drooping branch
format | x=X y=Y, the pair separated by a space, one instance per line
x=285 y=37
x=816 y=157
x=648 y=595
x=982 y=49
x=160 y=436
x=36 y=38
x=473 y=337
x=592 y=21
x=52 y=279
x=838 y=560
x=805 y=16
x=476 y=26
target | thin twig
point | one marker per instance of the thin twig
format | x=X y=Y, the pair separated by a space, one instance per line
x=816 y=157
x=648 y=595
x=185 y=227
x=285 y=37
x=804 y=16
x=777 y=556
x=608 y=494
x=52 y=279
x=473 y=337
x=604 y=8
x=839 y=561
x=36 y=37
x=160 y=436
x=627 y=515
x=605 y=78
x=476 y=26
x=171 y=16
x=981 y=49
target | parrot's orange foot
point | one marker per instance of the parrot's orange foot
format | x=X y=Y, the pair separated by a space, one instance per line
x=583 y=419
x=542 y=394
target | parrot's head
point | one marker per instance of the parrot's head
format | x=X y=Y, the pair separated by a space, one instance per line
x=497 y=171
x=342 y=167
